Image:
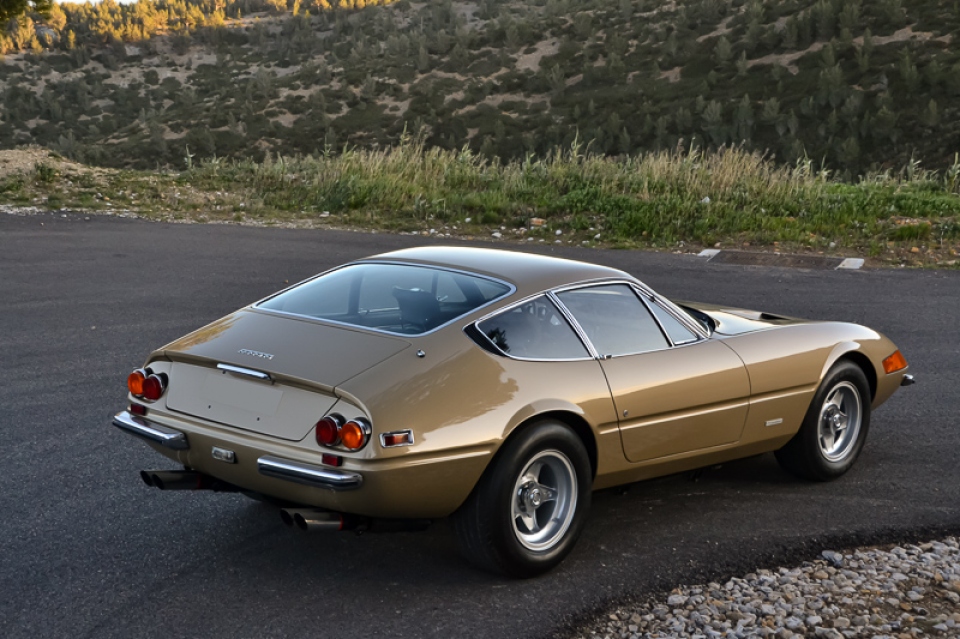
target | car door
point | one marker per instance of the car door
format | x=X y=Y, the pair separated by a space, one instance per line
x=675 y=391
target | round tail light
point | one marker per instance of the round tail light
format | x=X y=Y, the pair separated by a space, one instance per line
x=354 y=434
x=328 y=430
x=135 y=381
x=153 y=387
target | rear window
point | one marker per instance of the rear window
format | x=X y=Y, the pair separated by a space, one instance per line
x=397 y=298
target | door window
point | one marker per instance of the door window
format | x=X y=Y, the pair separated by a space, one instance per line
x=614 y=319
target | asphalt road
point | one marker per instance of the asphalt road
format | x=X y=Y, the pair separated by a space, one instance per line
x=86 y=550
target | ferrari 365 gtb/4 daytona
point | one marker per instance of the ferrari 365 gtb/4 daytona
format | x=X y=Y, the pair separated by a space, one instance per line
x=498 y=388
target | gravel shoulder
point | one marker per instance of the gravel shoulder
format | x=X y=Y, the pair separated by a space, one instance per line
x=881 y=593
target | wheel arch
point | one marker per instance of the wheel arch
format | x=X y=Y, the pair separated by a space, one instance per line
x=574 y=421
x=850 y=351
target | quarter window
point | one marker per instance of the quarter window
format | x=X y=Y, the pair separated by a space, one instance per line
x=614 y=319
x=679 y=334
x=534 y=330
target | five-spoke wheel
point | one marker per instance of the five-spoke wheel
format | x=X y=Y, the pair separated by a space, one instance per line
x=546 y=500
x=529 y=507
x=835 y=427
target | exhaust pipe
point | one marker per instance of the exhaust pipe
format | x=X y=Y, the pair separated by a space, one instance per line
x=312 y=519
x=184 y=480
x=316 y=520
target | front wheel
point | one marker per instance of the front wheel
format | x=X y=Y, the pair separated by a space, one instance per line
x=834 y=429
x=526 y=512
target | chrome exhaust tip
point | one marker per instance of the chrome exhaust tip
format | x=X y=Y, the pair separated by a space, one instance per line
x=318 y=521
x=311 y=519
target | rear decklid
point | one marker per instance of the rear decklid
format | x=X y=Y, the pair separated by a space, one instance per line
x=304 y=359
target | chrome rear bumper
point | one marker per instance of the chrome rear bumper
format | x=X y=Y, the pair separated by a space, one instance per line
x=268 y=466
x=151 y=431
x=308 y=474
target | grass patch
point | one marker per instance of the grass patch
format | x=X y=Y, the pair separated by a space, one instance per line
x=665 y=199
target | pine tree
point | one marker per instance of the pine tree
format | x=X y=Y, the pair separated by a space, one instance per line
x=933 y=73
x=826 y=20
x=743 y=120
x=713 y=122
x=723 y=52
x=742 y=65
x=849 y=17
x=931 y=115
x=848 y=153
x=624 y=144
x=771 y=111
x=790 y=33
x=908 y=71
x=423 y=60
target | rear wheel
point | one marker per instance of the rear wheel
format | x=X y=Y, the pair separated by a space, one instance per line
x=527 y=511
x=834 y=429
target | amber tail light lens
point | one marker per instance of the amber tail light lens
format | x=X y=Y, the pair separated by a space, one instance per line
x=135 y=381
x=354 y=434
x=894 y=363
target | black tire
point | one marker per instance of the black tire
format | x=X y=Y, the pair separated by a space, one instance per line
x=834 y=429
x=545 y=456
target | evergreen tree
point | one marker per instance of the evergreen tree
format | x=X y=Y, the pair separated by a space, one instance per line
x=723 y=52
x=743 y=120
x=930 y=117
x=11 y=9
x=713 y=122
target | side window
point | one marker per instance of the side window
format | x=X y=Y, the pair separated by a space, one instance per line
x=614 y=319
x=679 y=334
x=534 y=330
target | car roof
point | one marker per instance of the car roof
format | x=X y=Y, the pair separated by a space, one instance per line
x=526 y=271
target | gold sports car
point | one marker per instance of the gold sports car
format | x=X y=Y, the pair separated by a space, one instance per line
x=498 y=388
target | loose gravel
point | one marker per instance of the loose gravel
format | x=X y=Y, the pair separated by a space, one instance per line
x=898 y=593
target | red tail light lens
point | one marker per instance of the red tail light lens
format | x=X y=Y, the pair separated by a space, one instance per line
x=354 y=434
x=328 y=430
x=153 y=387
x=135 y=381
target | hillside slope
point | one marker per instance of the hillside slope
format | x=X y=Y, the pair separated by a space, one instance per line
x=850 y=84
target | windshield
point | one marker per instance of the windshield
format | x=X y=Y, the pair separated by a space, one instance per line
x=397 y=298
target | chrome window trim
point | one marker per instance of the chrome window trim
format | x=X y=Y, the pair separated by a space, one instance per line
x=673 y=309
x=511 y=289
x=633 y=287
x=506 y=309
x=582 y=334
x=649 y=302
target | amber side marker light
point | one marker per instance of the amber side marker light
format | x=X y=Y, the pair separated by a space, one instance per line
x=894 y=363
x=396 y=438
